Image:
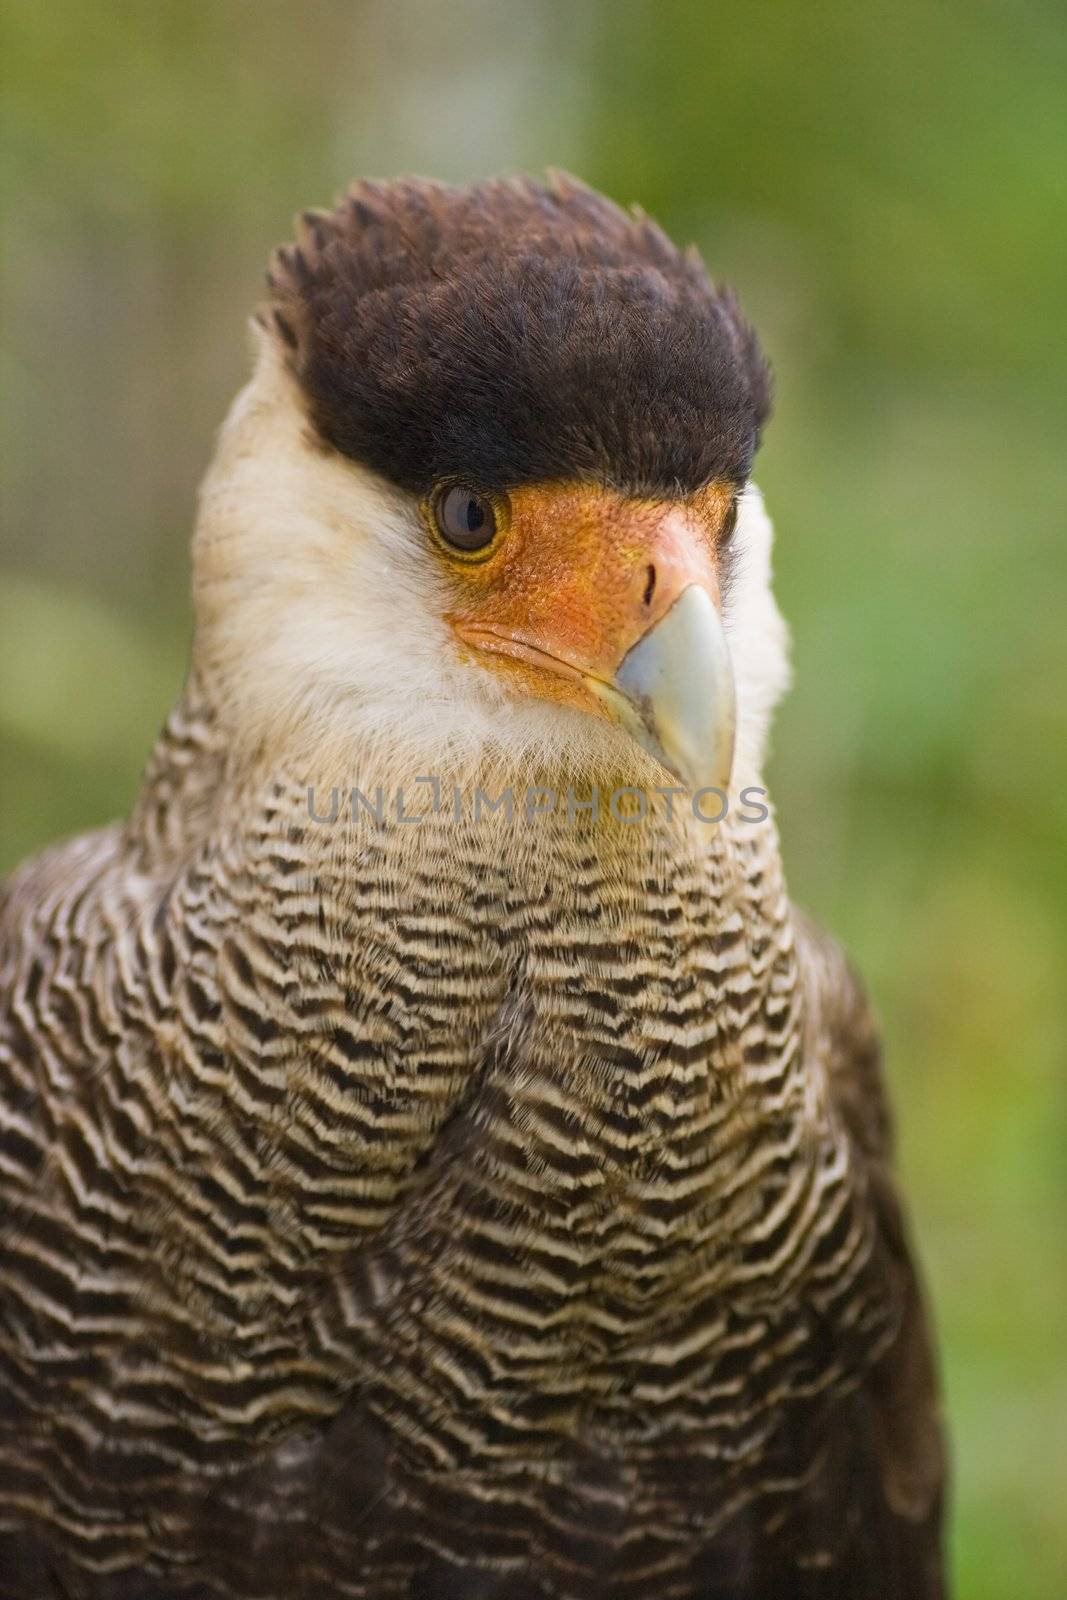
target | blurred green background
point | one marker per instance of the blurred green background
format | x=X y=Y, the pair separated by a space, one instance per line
x=887 y=187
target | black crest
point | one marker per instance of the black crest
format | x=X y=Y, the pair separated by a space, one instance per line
x=515 y=332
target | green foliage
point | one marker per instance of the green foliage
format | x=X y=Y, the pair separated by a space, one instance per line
x=887 y=186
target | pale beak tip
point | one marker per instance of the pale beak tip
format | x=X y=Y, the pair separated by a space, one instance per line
x=677 y=686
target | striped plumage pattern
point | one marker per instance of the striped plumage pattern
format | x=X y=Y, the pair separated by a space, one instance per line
x=446 y=1210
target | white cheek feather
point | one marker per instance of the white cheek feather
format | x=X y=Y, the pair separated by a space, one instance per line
x=319 y=605
x=758 y=635
x=320 y=618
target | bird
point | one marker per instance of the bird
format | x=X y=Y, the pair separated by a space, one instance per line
x=437 y=1158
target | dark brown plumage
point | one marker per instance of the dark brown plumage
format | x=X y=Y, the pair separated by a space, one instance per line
x=468 y=1209
x=517 y=332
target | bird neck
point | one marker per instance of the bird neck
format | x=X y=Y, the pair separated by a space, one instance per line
x=543 y=826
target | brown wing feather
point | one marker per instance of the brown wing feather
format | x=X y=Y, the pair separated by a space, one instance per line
x=901 y=1446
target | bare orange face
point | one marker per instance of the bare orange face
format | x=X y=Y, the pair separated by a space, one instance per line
x=575 y=575
x=601 y=602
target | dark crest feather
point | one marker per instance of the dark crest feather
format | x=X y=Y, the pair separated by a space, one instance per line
x=516 y=331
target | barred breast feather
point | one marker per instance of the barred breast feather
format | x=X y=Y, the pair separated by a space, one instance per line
x=410 y=1212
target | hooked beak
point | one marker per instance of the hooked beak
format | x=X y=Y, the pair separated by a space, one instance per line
x=674 y=692
x=611 y=605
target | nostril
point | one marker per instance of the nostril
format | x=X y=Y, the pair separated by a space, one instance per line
x=650 y=585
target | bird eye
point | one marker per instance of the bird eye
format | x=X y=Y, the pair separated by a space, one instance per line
x=465 y=519
x=729 y=524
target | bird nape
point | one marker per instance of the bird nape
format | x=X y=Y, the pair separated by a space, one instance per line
x=436 y=1158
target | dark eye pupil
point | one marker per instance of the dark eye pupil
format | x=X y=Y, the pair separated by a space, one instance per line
x=465 y=518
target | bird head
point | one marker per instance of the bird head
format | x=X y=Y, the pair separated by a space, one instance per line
x=490 y=487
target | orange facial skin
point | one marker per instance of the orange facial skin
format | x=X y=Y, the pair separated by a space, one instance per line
x=577 y=575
